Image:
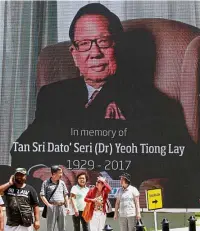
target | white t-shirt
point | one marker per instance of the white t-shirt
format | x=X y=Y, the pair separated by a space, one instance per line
x=80 y=196
x=127 y=202
x=1 y=201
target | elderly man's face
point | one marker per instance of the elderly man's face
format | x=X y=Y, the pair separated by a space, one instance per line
x=97 y=63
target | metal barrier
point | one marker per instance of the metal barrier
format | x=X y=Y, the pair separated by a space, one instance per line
x=165 y=224
x=192 y=223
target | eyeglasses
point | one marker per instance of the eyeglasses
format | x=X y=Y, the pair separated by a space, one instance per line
x=86 y=44
x=81 y=178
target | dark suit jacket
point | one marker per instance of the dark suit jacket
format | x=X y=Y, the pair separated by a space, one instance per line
x=151 y=118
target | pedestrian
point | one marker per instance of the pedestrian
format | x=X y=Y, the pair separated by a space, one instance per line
x=98 y=197
x=78 y=193
x=20 y=200
x=127 y=202
x=54 y=194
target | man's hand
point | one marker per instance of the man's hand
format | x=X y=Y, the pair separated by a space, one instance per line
x=138 y=217
x=115 y=216
x=36 y=225
x=67 y=211
x=93 y=200
x=11 y=180
x=49 y=205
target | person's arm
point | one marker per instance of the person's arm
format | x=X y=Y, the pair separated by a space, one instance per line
x=67 y=203
x=36 y=223
x=65 y=194
x=1 y=219
x=137 y=206
x=38 y=131
x=42 y=195
x=43 y=104
x=73 y=201
x=5 y=186
x=107 y=188
x=45 y=201
x=117 y=203
x=34 y=201
x=88 y=197
x=49 y=102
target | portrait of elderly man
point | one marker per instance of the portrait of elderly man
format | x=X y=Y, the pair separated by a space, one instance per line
x=107 y=96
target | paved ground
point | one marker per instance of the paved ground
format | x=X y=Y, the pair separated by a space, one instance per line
x=178 y=221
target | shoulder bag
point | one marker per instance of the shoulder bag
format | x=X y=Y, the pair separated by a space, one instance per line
x=44 y=212
x=87 y=212
x=27 y=218
x=108 y=206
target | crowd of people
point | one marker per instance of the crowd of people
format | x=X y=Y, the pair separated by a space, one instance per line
x=87 y=205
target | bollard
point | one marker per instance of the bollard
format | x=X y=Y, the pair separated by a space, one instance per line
x=192 y=223
x=107 y=228
x=139 y=225
x=165 y=224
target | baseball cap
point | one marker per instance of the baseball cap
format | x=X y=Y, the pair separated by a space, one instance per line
x=126 y=176
x=21 y=170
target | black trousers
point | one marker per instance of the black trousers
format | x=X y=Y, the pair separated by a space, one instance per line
x=77 y=220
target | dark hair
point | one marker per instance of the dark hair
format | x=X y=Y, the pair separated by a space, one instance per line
x=115 y=25
x=82 y=173
x=127 y=181
x=55 y=169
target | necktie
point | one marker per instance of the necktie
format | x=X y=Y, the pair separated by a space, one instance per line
x=94 y=94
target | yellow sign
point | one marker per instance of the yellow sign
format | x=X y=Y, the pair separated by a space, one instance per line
x=154 y=199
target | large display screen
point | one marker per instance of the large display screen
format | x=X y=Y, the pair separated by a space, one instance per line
x=144 y=119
